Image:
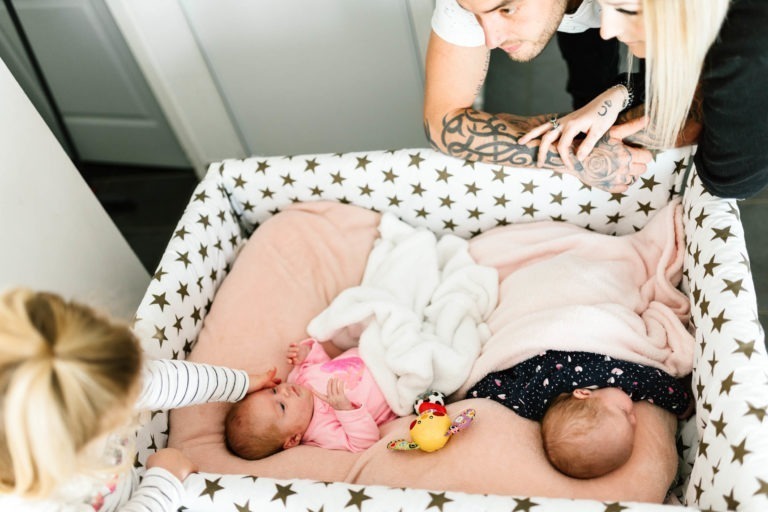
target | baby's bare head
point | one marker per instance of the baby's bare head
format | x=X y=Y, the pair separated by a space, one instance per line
x=589 y=433
x=251 y=435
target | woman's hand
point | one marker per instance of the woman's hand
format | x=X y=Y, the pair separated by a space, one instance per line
x=173 y=461
x=594 y=120
x=266 y=380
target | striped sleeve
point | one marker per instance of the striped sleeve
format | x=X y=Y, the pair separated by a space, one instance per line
x=159 y=491
x=168 y=384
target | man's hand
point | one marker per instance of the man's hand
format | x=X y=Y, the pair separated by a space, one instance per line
x=174 y=461
x=266 y=380
x=335 y=396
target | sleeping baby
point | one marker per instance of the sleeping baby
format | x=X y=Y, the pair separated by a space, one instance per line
x=585 y=402
x=328 y=402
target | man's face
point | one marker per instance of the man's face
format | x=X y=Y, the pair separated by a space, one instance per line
x=522 y=28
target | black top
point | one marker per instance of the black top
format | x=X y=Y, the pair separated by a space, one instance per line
x=732 y=158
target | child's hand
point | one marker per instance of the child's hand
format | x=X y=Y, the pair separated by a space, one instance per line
x=266 y=380
x=173 y=461
x=335 y=396
x=298 y=352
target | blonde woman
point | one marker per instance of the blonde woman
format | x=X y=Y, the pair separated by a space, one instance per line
x=719 y=47
x=71 y=381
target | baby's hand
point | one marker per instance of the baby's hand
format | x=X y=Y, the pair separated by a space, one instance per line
x=298 y=352
x=335 y=396
x=266 y=380
x=173 y=461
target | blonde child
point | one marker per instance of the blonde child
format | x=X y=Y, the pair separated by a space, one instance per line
x=71 y=381
x=329 y=400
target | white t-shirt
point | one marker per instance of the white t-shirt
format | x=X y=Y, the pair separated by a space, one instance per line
x=458 y=26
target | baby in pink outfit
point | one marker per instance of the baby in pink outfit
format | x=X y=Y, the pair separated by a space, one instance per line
x=328 y=402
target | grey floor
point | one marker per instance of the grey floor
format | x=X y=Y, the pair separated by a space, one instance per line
x=145 y=204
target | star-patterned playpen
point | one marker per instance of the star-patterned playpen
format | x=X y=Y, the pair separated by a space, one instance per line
x=724 y=447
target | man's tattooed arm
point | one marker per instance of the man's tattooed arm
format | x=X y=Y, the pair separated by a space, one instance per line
x=483 y=137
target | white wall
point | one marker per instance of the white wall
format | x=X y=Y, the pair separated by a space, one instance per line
x=54 y=234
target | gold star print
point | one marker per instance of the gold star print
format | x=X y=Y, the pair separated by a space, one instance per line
x=222 y=215
x=446 y=201
x=501 y=200
x=203 y=251
x=727 y=384
x=245 y=507
x=394 y=201
x=181 y=233
x=365 y=190
x=557 y=198
x=211 y=487
x=502 y=222
x=499 y=174
x=529 y=210
x=699 y=490
x=528 y=187
x=200 y=196
x=704 y=306
x=357 y=498
x=449 y=225
x=524 y=504
x=757 y=412
x=586 y=208
x=266 y=193
x=474 y=213
x=337 y=178
x=421 y=212
x=159 y=273
x=701 y=218
x=646 y=208
x=263 y=166
x=469 y=163
x=700 y=388
x=239 y=182
x=472 y=188
x=417 y=190
x=203 y=221
x=733 y=503
x=316 y=191
x=719 y=320
x=762 y=487
x=247 y=206
x=679 y=165
x=311 y=165
x=362 y=162
x=160 y=301
x=740 y=451
x=649 y=183
x=160 y=335
x=415 y=160
x=187 y=347
x=195 y=315
x=723 y=234
x=614 y=507
x=719 y=426
x=713 y=362
x=617 y=196
x=709 y=267
x=437 y=500
x=703 y=448
x=177 y=323
x=390 y=176
x=734 y=287
x=283 y=493
x=287 y=179
x=696 y=254
x=557 y=218
x=443 y=174
x=184 y=258
x=614 y=219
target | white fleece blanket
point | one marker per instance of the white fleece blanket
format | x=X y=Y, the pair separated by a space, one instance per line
x=418 y=315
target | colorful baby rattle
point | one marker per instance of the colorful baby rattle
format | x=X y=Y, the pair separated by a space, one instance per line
x=433 y=428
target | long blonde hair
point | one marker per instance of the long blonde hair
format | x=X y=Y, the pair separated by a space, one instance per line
x=678 y=34
x=67 y=375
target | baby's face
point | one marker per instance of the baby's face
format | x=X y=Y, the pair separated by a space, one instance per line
x=287 y=407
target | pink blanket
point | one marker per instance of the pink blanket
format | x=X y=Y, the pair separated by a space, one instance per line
x=563 y=287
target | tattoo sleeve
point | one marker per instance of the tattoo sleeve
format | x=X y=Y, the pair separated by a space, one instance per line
x=483 y=137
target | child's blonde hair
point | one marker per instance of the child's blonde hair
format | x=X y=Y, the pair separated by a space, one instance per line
x=249 y=436
x=67 y=376
x=571 y=424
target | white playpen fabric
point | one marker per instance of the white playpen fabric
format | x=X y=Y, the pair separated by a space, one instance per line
x=724 y=446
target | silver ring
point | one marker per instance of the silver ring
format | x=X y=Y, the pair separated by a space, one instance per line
x=555 y=124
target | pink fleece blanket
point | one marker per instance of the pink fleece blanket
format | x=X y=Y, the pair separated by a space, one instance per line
x=563 y=287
